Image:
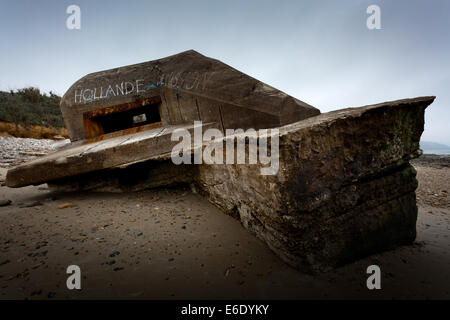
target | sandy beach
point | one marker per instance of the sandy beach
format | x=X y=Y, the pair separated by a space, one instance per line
x=173 y=244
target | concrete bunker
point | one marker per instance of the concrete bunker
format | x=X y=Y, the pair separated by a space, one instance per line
x=344 y=188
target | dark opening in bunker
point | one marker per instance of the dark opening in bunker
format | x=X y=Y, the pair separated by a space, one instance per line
x=128 y=119
x=136 y=114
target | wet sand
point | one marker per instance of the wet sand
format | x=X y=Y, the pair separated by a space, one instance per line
x=173 y=244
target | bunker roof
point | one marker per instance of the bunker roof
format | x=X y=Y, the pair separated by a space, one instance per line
x=187 y=86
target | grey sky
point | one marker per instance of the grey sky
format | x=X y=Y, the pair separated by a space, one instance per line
x=321 y=52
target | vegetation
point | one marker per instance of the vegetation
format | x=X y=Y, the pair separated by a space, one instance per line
x=29 y=113
x=29 y=107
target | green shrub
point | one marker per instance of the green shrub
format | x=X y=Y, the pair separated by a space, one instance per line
x=28 y=107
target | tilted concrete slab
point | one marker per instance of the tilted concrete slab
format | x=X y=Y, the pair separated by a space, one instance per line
x=88 y=157
x=344 y=189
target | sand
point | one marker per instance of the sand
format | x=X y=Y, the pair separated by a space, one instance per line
x=173 y=244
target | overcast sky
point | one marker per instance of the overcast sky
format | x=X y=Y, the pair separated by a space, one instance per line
x=320 y=52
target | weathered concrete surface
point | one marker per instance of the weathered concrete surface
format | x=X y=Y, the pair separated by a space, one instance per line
x=344 y=188
x=82 y=158
x=189 y=87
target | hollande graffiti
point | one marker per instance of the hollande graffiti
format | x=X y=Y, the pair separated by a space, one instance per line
x=192 y=81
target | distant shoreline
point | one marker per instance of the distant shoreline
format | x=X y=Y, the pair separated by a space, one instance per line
x=433 y=160
x=430 y=147
x=437 y=153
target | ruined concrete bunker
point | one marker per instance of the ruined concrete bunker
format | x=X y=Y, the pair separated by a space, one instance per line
x=344 y=188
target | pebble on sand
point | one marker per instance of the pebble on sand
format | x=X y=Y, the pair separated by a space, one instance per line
x=4 y=262
x=64 y=206
x=30 y=204
x=5 y=202
x=114 y=253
